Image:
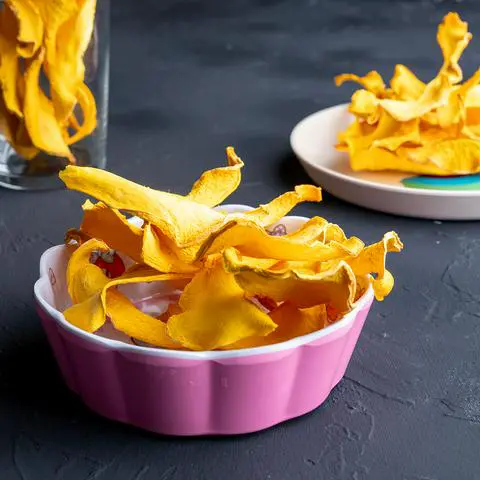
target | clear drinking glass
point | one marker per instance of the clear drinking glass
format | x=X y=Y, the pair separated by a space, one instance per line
x=41 y=173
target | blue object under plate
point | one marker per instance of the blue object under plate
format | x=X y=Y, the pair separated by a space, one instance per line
x=466 y=182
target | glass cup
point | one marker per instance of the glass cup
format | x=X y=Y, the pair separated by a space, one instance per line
x=41 y=172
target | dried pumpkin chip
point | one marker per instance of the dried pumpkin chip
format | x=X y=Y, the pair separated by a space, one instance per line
x=252 y=240
x=9 y=70
x=214 y=186
x=291 y=322
x=128 y=319
x=180 y=219
x=272 y=212
x=54 y=14
x=30 y=26
x=435 y=95
x=216 y=312
x=335 y=285
x=405 y=84
x=453 y=37
x=380 y=159
x=112 y=227
x=460 y=156
x=66 y=68
x=364 y=104
x=372 y=81
x=40 y=119
x=372 y=260
x=93 y=297
x=86 y=103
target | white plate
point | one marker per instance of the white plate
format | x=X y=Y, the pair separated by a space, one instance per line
x=313 y=141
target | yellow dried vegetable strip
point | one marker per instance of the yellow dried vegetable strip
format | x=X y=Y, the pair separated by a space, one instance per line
x=79 y=259
x=372 y=81
x=313 y=229
x=40 y=120
x=380 y=159
x=54 y=14
x=143 y=245
x=405 y=84
x=13 y=130
x=333 y=286
x=160 y=253
x=406 y=133
x=9 y=70
x=66 y=73
x=111 y=226
x=435 y=95
x=128 y=319
x=372 y=260
x=86 y=103
x=30 y=26
x=214 y=186
x=453 y=37
x=254 y=241
x=272 y=212
x=454 y=111
x=180 y=219
x=216 y=312
x=460 y=156
x=364 y=104
x=90 y=291
x=291 y=322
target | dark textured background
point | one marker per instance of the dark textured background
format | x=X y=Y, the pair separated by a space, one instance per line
x=189 y=78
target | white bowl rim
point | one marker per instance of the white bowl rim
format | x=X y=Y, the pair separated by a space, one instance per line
x=357 y=181
x=123 y=347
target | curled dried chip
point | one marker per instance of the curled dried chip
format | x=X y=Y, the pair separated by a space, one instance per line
x=94 y=297
x=66 y=69
x=272 y=212
x=380 y=159
x=253 y=240
x=372 y=81
x=113 y=228
x=453 y=37
x=9 y=70
x=334 y=285
x=435 y=95
x=460 y=156
x=215 y=312
x=180 y=219
x=86 y=103
x=291 y=322
x=405 y=84
x=214 y=186
x=364 y=104
x=372 y=260
x=39 y=113
x=30 y=26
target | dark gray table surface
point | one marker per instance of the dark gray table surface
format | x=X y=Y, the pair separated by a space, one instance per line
x=189 y=78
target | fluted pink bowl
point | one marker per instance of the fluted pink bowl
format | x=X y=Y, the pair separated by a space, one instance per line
x=195 y=393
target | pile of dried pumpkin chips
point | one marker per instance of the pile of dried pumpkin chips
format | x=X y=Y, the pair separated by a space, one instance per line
x=430 y=129
x=241 y=286
x=42 y=70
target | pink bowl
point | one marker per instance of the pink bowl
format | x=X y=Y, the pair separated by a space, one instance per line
x=195 y=393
